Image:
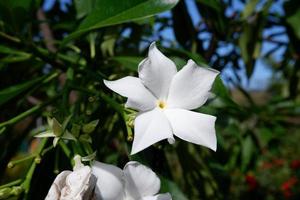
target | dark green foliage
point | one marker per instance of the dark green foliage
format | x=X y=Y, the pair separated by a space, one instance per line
x=52 y=65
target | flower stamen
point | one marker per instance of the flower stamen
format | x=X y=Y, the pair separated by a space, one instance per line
x=161 y=104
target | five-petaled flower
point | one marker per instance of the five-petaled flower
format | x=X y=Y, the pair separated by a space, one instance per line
x=134 y=182
x=164 y=98
x=106 y=182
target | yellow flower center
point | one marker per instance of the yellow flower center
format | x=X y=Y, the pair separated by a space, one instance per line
x=161 y=104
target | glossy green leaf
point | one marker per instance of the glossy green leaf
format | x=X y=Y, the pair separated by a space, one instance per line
x=84 y=7
x=112 y=12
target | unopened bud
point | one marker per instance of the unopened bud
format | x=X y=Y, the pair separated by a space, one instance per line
x=88 y=112
x=37 y=160
x=91 y=99
x=129 y=138
x=10 y=165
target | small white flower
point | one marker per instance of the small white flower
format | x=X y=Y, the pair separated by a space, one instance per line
x=164 y=97
x=76 y=185
x=134 y=182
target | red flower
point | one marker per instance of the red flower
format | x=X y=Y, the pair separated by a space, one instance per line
x=251 y=181
x=286 y=187
x=295 y=164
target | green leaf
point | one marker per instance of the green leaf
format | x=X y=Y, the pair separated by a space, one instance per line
x=220 y=89
x=14 y=59
x=129 y=62
x=10 y=92
x=15 y=13
x=8 y=50
x=56 y=127
x=195 y=57
x=294 y=22
x=222 y=92
x=179 y=62
x=247 y=152
x=75 y=129
x=250 y=40
x=85 y=138
x=68 y=136
x=211 y=3
x=66 y=122
x=84 y=7
x=45 y=134
x=171 y=187
x=90 y=127
x=112 y=12
x=89 y=157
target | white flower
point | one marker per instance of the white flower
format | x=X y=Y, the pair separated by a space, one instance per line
x=76 y=185
x=164 y=97
x=106 y=182
x=134 y=182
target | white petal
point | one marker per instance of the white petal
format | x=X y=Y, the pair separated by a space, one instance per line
x=193 y=127
x=149 y=128
x=134 y=90
x=140 y=181
x=109 y=184
x=157 y=72
x=77 y=183
x=165 y=196
x=57 y=185
x=190 y=86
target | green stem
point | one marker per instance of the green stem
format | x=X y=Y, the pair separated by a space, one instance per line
x=9 y=37
x=46 y=150
x=92 y=45
x=65 y=149
x=105 y=97
x=13 y=163
x=13 y=183
x=28 y=178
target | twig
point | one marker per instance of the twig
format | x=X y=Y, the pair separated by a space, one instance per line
x=46 y=31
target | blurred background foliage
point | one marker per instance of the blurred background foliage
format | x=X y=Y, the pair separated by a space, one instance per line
x=54 y=55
